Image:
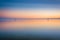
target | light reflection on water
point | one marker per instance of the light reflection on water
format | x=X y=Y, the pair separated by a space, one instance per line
x=31 y=24
x=35 y=27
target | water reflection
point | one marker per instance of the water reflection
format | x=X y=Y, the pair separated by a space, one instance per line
x=31 y=24
x=45 y=29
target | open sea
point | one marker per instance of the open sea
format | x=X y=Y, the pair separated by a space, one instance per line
x=30 y=29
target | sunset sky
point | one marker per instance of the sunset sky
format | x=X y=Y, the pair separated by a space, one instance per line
x=30 y=9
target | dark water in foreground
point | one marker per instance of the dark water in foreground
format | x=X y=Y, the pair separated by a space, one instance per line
x=30 y=34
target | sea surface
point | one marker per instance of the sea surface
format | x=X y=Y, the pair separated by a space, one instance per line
x=30 y=29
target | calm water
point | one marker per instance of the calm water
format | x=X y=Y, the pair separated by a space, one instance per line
x=40 y=28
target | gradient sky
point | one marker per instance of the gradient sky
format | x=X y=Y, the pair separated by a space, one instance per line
x=30 y=8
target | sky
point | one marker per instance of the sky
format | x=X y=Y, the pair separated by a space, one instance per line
x=30 y=8
x=29 y=3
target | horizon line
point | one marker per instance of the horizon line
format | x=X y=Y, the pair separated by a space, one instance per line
x=27 y=18
x=15 y=19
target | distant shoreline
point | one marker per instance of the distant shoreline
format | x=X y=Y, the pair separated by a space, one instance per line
x=15 y=19
x=30 y=18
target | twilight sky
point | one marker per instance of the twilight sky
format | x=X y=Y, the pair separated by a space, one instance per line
x=30 y=8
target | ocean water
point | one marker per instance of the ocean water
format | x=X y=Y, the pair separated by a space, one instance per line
x=30 y=29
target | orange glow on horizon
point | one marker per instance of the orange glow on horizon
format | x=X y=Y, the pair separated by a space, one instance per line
x=31 y=13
